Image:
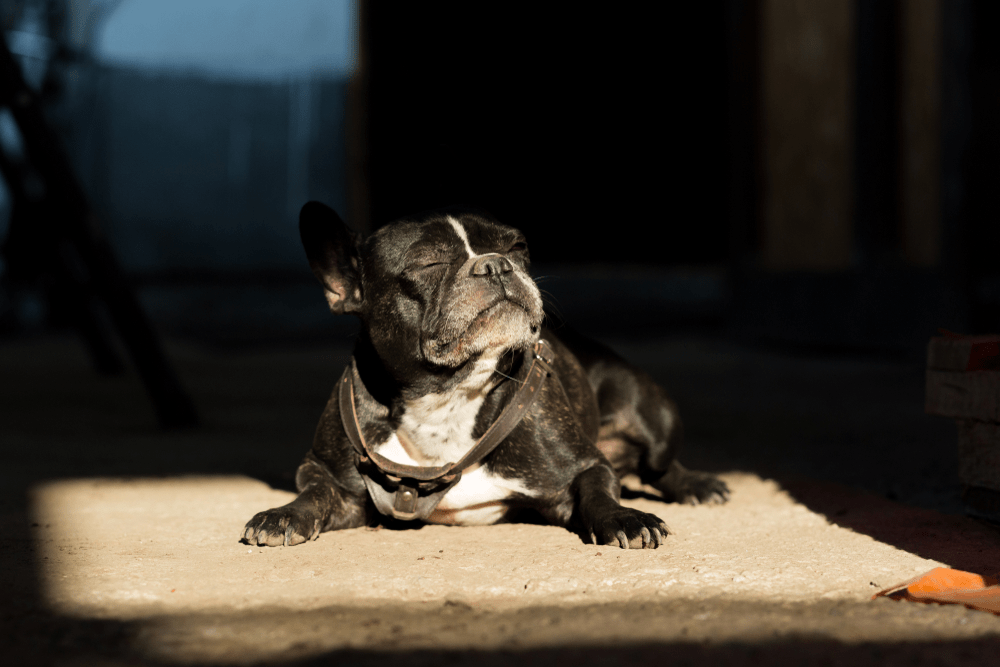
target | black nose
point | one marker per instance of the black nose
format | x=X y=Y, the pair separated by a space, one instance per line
x=489 y=265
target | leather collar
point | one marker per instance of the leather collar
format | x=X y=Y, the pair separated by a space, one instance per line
x=412 y=492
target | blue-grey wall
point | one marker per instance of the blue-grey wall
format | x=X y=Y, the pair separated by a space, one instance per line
x=196 y=174
x=211 y=123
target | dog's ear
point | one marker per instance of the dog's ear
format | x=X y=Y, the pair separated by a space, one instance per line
x=332 y=249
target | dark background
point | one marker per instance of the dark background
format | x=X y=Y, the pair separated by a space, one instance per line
x=601 y=132
x=798 y=174
x=686 y=196
x=633 y=147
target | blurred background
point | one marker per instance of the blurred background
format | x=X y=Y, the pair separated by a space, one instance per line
x=757 y=199
x=809 y=172
x=768 y=205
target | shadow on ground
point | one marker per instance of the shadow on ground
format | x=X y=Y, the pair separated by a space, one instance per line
x=842 y=421
x=679 y=632
x=961 y=542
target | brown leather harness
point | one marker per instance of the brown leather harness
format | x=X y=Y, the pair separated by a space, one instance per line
x=412 y=492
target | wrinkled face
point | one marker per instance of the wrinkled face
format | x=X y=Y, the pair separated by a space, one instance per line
x=448 y=288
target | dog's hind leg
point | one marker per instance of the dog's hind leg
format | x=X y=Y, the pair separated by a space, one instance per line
x=691 y=486
x=641 y=432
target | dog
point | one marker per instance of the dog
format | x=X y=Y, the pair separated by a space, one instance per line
x=459 y=406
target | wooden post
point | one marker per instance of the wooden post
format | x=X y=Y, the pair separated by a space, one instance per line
x=807 y=130
x=68 y=218
x=920 y=132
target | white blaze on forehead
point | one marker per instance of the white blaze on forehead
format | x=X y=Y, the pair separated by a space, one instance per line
x=460 y=230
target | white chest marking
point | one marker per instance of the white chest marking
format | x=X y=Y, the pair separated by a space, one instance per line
x=477 y=499
x=437 y=429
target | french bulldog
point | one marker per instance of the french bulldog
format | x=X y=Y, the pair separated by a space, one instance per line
x=460 y=406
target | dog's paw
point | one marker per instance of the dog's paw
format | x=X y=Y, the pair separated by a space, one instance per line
x=704 y=489
x=630 y=529
x=701 y=488
x=692 y=487
x=286 y=526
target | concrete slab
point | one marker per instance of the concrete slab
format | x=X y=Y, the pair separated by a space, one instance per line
x=132 y=549
x=119 y=545
x=160 y=553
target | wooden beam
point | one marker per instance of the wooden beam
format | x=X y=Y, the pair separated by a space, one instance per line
x=807 y=131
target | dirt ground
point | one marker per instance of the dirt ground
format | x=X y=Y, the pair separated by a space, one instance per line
x=120 y=542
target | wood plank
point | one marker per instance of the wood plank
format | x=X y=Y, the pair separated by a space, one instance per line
x=920 y=131
x=963 y=353
x=965 y=395
x=979 y=453
x=807 y=90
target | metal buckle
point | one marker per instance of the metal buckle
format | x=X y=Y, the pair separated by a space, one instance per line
x=404 y=505
x=543 y=345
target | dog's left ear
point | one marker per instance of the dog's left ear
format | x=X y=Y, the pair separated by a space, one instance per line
x=332 y=249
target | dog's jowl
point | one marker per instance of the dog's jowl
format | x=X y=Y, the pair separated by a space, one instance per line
x=460 y=407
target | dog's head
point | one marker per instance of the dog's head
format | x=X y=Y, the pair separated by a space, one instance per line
x=437 y=289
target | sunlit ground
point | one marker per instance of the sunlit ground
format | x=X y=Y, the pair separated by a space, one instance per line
x=120 y=545
x=163 y=553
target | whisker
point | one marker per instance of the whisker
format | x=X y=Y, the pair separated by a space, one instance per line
x=508 y=377
x=511 y=352
x=551 y=304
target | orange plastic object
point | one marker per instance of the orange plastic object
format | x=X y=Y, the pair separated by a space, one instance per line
x=946 y=586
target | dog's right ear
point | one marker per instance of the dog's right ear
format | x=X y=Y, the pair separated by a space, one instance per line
x=332 y=249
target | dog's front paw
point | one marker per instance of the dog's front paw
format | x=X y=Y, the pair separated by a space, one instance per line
x=630 y=529
x=287 y=526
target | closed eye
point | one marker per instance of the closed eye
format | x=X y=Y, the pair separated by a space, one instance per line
x=520 y=245
x=429 y=261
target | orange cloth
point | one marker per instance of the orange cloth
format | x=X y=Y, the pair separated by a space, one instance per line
x=948 y=586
